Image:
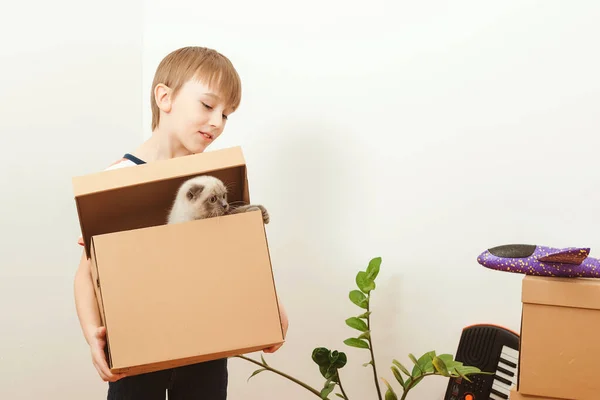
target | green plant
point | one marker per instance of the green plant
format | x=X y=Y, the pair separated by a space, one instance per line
x=330 y=362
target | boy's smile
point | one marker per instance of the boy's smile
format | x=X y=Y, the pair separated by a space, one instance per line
x=208 y=136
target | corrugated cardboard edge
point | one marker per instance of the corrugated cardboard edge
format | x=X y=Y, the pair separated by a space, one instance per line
x=156 y=171
x=520 y=349
x=146 y=368
x=561 y=292
x=274 y=283
x=516 y=395
x=99 y=300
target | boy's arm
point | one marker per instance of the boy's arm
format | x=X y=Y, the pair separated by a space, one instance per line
x=85 y=300
x=284 y=322
x=89 y=319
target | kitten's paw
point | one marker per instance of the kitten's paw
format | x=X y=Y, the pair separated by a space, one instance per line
x=263 y=210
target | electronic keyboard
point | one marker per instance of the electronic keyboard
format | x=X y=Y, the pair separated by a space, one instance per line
x=492 y=349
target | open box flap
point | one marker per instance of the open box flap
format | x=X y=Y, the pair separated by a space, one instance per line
x=565 y=292
x=141 y=196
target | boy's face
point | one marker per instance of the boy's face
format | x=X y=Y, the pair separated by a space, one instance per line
x=196 y=116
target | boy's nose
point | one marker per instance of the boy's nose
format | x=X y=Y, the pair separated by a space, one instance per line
x=216 y=120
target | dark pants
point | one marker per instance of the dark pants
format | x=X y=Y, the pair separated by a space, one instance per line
x=203 y=381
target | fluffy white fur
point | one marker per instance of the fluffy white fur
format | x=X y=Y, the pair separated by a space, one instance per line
x=204 y=197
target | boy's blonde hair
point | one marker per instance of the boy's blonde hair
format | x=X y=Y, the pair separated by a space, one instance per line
x=204 y=64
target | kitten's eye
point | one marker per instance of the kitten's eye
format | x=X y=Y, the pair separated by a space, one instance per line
x=213 y=199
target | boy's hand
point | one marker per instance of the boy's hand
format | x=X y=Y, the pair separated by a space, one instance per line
x=284 y=324
x=97 y=345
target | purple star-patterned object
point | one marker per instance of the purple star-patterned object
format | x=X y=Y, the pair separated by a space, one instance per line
x=567 y=262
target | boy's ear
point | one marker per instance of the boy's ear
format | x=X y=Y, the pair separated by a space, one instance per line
x=162 y=96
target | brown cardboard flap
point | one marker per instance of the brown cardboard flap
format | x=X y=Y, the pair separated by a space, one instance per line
x=141 y=196
x=566 y=292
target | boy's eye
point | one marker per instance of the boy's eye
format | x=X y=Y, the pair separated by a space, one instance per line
x=210 y=108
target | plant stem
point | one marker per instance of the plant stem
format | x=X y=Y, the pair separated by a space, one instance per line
x=412 y=384
x=341 y=387
x=371 y=348
x=304 y=385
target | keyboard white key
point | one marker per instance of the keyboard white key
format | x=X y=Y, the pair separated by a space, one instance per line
x=506 y=374
x=510 y=352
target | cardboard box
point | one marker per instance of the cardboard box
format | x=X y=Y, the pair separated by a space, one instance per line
x=172 y=295
x=515 y=395
x=559 y=338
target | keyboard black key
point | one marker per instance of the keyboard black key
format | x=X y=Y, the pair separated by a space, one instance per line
x=507 y=372
x=509 y=363
x=499 y=394
x=503 y=380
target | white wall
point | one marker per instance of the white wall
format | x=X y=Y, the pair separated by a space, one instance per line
x=70 y=96
x=461 y=127
x=420 y=132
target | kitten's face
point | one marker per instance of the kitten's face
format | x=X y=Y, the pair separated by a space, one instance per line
x=209 y=198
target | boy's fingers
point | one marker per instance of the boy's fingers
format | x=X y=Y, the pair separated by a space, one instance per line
x=105 y=372
x=102 y=374
x=272 y=349
x=101 y=332
x=99 y=358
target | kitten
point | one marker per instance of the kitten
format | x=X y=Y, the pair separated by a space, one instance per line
x=204 y=197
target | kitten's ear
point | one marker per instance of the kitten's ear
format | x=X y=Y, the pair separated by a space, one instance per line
x=194 y=191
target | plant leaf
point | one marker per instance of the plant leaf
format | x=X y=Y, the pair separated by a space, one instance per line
x=357 y=323
x=402 y=367
x=328 y=372
x=364 y=315
x=320 y=356
x=367 y=364
x=364 y=284
x=337 y=359
x=468 y=370
x=459 y=373
x=263 y=360
x=423 y=364
x=358 y=298
x=258 y=371
x=365 y=335
x=373 y=268
x=389 y=394
x=413 y=359
x=440 y=366
x=355 y=342
x=339 y=395
x=451 y=364
x=398 y=376
x=448 y=358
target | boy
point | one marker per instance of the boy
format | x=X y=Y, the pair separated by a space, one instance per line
x=194 y=91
